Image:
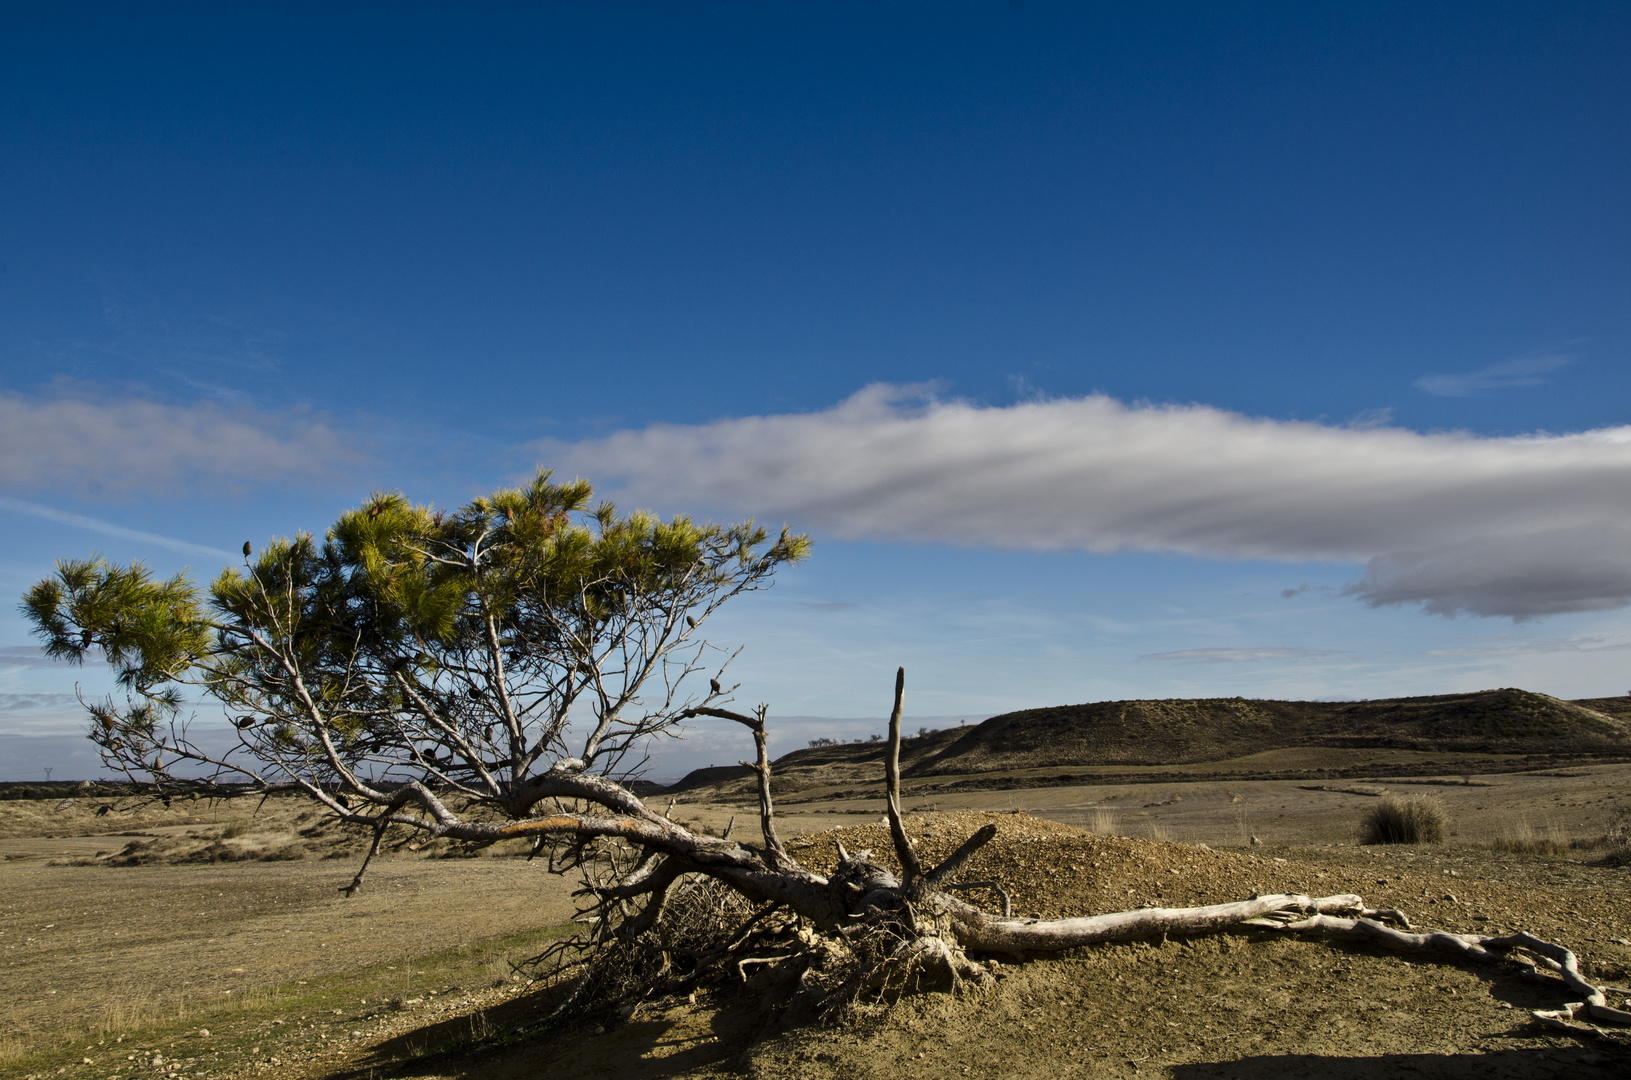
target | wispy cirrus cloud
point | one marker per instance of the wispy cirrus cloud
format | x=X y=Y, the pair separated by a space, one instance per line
x=108 y=528
x=30 y=703
x=27 y=656
x=1503 y=647
x=40 y=714
x=1247 y=655
x=81 y=439
x=1506 y=375
x=1513 y=526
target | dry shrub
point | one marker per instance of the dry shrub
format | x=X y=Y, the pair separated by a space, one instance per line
x=1522 y=839
x=1414 y=820
x=234 y=828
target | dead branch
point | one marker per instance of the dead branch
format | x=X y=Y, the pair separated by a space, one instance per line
x=776 y=854
x=957 y=859
x=1480 y=948
x=910 y=867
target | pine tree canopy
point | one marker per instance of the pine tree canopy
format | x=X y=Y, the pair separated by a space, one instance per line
x=443 y=650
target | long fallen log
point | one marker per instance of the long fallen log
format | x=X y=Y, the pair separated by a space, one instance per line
x=1341 y=916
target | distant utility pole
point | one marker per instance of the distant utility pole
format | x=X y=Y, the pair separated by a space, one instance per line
x=48 y=776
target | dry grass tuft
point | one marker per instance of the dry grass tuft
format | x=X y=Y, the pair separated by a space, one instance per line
x=234 y=828
x=12 y=1049
x=122 y=1015
x=1103 y=822
x=1523 y=839
x=1417 y=819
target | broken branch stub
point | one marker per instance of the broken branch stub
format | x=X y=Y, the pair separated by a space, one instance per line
x=891 y=773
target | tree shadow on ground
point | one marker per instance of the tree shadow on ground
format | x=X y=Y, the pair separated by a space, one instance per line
x=651 y=1045
x=1587 y=1063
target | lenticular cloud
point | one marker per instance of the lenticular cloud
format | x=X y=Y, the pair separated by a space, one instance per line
x=1517 y=527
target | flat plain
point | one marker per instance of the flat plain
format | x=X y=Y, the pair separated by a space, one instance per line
x=125 y=937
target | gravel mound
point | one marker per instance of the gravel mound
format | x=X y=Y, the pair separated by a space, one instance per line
x=1053 y=870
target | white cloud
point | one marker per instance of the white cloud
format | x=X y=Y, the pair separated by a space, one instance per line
x=1246 y=656
x=1516 y=526
x=81 y=441
x=1525 y=574
x=1521 y=371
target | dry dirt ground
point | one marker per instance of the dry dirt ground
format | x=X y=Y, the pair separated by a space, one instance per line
x=115 y=970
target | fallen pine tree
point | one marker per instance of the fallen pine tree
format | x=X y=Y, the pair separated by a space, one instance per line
x=417 y=674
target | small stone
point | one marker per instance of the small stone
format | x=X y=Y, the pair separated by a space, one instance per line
x=204 y=1032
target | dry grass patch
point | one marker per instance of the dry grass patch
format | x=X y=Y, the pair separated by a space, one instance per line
x=1524 y=839
x=1104 y=823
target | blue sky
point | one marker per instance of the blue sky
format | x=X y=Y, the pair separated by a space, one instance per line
x=1106 y=350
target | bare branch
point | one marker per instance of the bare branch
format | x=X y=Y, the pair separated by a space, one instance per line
x=910 y=866
x=959 y=858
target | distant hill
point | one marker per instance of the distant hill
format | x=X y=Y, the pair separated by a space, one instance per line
x=1180 y=731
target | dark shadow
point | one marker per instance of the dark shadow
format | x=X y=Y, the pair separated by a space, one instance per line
x=721 y=1031
x=1589 y=1062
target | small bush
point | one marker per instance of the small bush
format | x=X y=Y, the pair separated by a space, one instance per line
x=234 y=828
x=1414 y=820
x=1524 y=840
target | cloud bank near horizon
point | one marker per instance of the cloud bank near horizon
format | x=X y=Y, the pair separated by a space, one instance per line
x=1520 y=527
x=86 y=442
